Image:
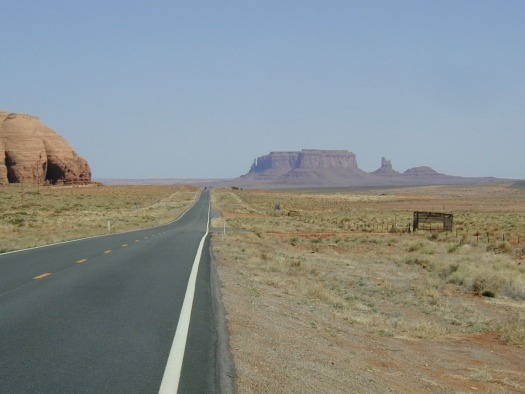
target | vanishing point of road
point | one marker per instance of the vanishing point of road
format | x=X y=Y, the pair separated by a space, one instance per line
x=111 y=314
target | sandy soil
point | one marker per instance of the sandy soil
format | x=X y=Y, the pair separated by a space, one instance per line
x=280 y=344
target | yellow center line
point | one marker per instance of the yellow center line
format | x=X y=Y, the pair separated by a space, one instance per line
x=81 y=261
x=42 y=275
x=107 y=251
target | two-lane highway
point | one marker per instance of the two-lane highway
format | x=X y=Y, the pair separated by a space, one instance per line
x=100 y=314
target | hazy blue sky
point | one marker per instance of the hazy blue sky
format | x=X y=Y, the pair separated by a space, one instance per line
x=198 y=89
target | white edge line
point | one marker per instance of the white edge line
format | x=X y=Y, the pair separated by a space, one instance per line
x=171 y=377
x=103 y=235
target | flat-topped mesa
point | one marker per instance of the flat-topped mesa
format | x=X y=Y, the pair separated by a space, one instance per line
x=275 y=162
x=335 y=168
x=327 y=159
x=33 y=153
x=281 y=162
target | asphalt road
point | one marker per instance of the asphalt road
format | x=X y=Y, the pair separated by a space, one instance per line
x=99 y=315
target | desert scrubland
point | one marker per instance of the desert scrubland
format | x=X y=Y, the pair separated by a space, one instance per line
x=33 y=215
x=326 y=291
x=338 y=296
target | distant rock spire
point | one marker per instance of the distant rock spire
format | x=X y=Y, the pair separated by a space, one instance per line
x=386 y=164
x=386 y=168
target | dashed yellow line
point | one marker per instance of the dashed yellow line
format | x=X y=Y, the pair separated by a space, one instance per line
x=41 y=276
x=81 y=261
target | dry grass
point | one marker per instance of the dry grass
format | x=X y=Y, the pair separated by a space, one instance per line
x=32 y=216
x=347 y=263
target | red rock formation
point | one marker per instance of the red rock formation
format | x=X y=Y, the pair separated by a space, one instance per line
x=335 y=168
x=421 y=172
x=33 y=153
x=276 y=163
x=307 y=167
x=386 y=169
x=281 y=162
x=327 y=159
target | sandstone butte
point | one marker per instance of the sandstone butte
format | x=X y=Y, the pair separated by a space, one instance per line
x=34 y=153
x=336 y=168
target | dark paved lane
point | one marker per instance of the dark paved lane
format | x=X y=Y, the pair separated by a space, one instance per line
x=105 y=318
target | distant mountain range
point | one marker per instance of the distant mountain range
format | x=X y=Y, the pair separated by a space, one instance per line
x=337 y=168
x=313 y=168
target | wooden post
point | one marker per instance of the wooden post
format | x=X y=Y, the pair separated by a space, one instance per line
x=22 y=191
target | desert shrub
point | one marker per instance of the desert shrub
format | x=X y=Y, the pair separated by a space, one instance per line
x=478 y=284
x=501 y=247
x=513 y=332
x=496 y=277
x=295 y=263
x=453 y=248
x=423 y=263
x=446 y=271
x=520 y=251
x=433 y=236
x=415 y=247
x=488 y=293
x=17 y=221
x=394 y=230
x=391 y=242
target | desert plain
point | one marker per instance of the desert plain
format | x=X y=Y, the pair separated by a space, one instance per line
x=325 y=290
